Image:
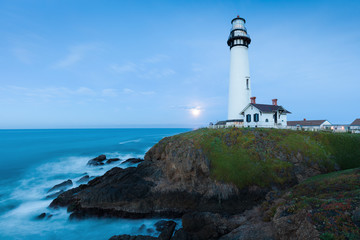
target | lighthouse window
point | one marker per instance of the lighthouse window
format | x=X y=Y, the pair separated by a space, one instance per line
x=247 y=83
x=267 y=120
x=248 y=118
x=256 y=117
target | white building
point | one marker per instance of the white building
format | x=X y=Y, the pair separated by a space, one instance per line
x=309 y=125
x=264 y=115
x=355 y=126
x=239 y=84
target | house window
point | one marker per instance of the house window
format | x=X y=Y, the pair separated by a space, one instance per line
x=256 y=117
x=266 y=120
x=248 y=118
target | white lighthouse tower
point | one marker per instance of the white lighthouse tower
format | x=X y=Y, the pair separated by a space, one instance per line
x=239 y=87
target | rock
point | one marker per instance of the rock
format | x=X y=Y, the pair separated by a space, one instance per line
x=41 y=216
x=205 y=225
x=172 y=180
x=356 y=217
x=142 y=227
x=133 y=161
x=168 y=231
x=83 y=179
x=54 y=195
x=62 y=186
x=181 y=234
x=162 y=224
x=293 y=226
x=97 y=161
x=112 y=160
x=128 y=237
x=257 y=231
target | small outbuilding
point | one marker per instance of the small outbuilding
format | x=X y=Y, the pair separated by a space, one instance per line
x=310 y=125
x=355 y=126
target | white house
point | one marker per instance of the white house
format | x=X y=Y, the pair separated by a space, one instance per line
x=355 y=126
x=310 y=125
x=264 y=115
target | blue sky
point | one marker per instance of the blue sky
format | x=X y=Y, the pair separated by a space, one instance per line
x=66 y=64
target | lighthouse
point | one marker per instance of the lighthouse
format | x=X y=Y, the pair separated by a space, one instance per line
x=239 y=85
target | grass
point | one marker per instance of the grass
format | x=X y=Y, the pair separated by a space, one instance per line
x=261 y=156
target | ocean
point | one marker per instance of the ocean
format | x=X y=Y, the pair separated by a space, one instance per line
x=33 y=161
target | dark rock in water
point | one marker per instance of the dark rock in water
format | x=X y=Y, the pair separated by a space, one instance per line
x=167 y=227
x=83 y=179
x=142 y=227
x=62 y=186
x=133 y=161
x=128 y=237
x=168 y=231
x=41 y=216
x=97 y=161
x=54 y=195
x=181 y=234
x=162 y=224
x=150 y=230
x=112 y=160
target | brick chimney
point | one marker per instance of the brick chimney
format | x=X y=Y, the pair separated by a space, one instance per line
x=253 y=100
x=274 y=102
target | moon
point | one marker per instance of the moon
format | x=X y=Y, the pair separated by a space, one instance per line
x=195 y=112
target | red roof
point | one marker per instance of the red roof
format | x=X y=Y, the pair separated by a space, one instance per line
x=356 y=122
x=306 y=123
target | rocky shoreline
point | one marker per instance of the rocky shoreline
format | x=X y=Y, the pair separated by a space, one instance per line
x=175 y=180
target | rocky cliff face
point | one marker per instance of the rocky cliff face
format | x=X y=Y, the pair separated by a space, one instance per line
x=174 y=179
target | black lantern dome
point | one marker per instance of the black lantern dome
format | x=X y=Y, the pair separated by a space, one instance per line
x=238 y=33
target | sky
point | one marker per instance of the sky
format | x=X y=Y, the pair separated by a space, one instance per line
x=89 y=64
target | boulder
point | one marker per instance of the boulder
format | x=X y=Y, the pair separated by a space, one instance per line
x=61 y=186
x=181 y=234
x=356 y=217
x=293 y=226
x=128 y=237
x=205 y=225
x=54 y=195
x=112 y=160
x=133 y=161
x=41 y=216
x=97 y=161
x=83 y=179
x=252 y=231
x=162 y=224
x=168 y=231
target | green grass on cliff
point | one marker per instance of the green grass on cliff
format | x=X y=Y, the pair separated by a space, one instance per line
x=248 y=157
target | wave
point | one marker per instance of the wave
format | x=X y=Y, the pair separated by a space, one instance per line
x=19 y=221
x=130 y=141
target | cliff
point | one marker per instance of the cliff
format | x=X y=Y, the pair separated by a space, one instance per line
x=224 y=171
